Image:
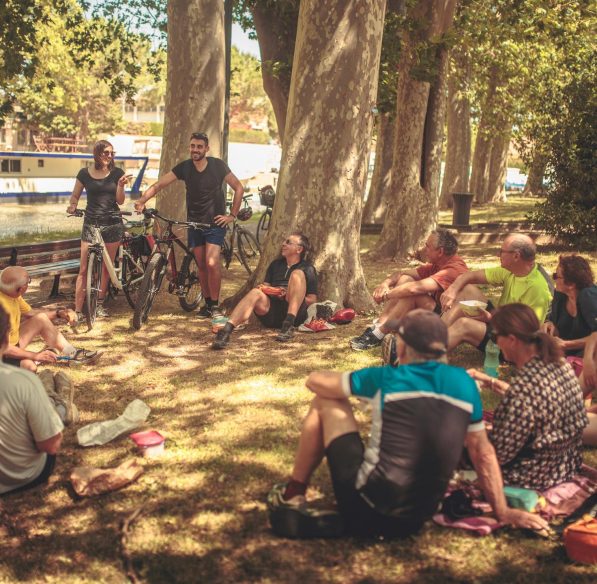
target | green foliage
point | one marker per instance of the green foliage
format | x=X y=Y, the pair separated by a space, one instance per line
x=249 y=136
x=101 y=43
x=248 y=101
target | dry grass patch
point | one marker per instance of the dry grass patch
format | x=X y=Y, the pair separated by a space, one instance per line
x=231 y=419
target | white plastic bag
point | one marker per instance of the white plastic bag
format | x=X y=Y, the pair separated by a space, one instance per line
x=100 y=433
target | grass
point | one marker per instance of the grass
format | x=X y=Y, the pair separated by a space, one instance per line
x=231 y=419
x=515 y=209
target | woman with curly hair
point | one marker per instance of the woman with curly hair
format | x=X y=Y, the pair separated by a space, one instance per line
x=538 y=425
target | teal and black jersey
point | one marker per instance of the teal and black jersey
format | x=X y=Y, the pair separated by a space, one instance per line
x=421 y=414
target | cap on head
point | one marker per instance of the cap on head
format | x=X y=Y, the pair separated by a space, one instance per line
x=422 y=330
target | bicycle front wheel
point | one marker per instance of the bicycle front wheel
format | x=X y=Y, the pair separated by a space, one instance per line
x=150 y=286
x=263 y=226
x=133 y=271
x=92 y=290
x=189 y=279
x=249 y=250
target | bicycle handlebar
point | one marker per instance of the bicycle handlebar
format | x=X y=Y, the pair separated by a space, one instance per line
x=148 y=213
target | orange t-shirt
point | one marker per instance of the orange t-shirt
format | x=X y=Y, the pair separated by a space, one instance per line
x=443 y=274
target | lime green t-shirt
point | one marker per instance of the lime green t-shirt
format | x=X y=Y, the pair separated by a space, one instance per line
x=531 y=289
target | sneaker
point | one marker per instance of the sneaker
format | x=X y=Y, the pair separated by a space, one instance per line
x=276 y=499
x=47 y=380
x=389 y=354
x=101 y=311
x=316 y=326
x=204 y=312
x=286 y=333
x=65 y=388
x=297 y=520
x=366 y=341
x=84 y=356
x=221 y=340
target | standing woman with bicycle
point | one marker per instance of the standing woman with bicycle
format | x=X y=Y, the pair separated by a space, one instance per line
x=104 y=184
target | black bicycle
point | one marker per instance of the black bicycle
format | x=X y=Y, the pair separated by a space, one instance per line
x=183 y=283
x=239 y=242
x=267 y=196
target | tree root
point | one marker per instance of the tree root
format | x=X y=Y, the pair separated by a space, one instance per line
x=124 y=551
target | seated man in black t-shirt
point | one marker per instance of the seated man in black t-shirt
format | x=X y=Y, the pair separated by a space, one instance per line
x=281 y=301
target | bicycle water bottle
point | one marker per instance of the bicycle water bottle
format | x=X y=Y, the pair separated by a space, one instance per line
x=492 y=359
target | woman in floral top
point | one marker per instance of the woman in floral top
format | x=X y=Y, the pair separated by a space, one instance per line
x=537 y=427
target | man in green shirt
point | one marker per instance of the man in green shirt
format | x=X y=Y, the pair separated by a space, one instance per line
x=522 y=279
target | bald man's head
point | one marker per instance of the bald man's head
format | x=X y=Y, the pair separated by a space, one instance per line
x=13 y=278
x=523 y=244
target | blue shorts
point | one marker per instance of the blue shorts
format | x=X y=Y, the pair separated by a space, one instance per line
x=199 y=237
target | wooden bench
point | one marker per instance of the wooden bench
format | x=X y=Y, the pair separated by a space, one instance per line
x=53 y=258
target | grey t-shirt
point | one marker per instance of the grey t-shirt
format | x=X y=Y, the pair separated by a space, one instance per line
x=26 y=417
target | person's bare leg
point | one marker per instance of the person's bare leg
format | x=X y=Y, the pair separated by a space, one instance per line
x=111 y=248
x=589 y=435
x=41 y=325
x=465 y=330
x=214 y=270
x=81 y=278
x=199 y=253
x=254 y=301
x=469 y=292
x=297 y=290
x=326 y=420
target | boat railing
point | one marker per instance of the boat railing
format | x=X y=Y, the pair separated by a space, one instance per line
x=58 y=144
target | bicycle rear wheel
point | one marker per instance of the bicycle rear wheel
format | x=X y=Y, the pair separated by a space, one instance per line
x=189 y=279
x=249 y=250
x=92 y=290
x=150 y=285
x=263 y=225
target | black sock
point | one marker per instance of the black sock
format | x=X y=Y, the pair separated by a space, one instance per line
x=228 y=327
x=211 y=303
x=289 y=320
x=207 y=300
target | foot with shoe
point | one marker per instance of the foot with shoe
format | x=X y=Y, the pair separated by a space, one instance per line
x=61 y=391
x=371 y=337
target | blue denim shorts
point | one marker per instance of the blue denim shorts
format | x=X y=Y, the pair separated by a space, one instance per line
x=199 y=237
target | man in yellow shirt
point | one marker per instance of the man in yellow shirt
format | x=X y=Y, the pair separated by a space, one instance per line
x=522 y=280
x=27 y=323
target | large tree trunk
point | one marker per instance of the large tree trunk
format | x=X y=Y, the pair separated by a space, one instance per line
x=482 y=155
x=328 y=133
x=375 y=206
x=413 y=207
x=458 y=147
x=276 y=33
x=534 y=186
x=195 y=88
x=498 y=165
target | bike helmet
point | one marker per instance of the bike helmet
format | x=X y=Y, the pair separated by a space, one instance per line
x=245 y=214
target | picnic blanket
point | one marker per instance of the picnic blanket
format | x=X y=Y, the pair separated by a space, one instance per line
x=560 y=501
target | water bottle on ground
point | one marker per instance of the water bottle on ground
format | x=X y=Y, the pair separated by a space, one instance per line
x=492 y=359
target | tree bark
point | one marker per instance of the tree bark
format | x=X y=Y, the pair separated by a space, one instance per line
x=534 y=186
x=276 y=34
x=420 y=115
x=328 y=133
x=498 y=164
x=458 y=147
x=375 y=206
x=195 y=89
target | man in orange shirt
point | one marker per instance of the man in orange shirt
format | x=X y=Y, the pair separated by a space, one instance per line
x=422 y=287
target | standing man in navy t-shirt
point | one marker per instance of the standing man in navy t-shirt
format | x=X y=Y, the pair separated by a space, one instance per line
x=206 y=203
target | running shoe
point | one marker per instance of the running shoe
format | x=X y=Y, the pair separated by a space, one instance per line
x=222 y=339
x=85 y=357
x=316 y=326
x=65 y=388
x=389 y=354
x=101 y=312
x=365 y=341
x=204 y=312
x=286 y=333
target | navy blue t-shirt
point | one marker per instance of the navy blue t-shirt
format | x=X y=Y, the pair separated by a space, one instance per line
x=205 y=196
x=278 y=274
